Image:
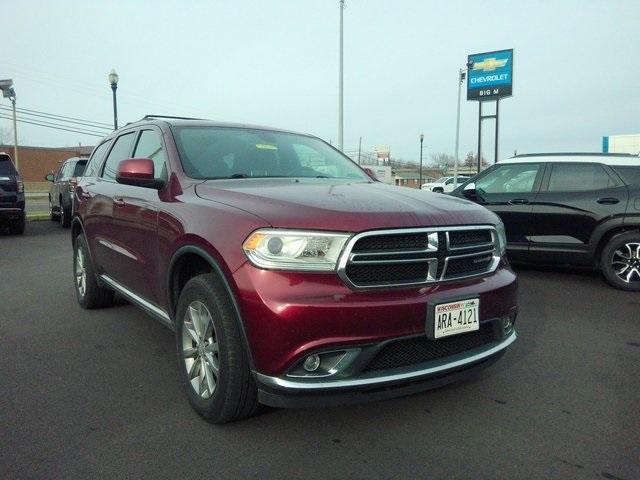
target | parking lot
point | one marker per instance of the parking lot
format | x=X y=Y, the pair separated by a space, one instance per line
x=96 y=394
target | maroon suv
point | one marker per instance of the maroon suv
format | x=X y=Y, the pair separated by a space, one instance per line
x=290 y=276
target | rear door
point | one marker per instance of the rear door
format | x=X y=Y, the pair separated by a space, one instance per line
x=510 y=190
x=575 y=198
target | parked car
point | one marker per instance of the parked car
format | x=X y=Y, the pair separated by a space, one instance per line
x=11 y=196
x=444 y=184
x=568 y=208
x=290 y=277
x=62 y=184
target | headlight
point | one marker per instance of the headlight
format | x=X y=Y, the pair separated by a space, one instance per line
x=294 y=250
x=502 y=238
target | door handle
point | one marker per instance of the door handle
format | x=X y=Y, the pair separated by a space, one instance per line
x=518 y=201
x=608 y=201
x=119 y=202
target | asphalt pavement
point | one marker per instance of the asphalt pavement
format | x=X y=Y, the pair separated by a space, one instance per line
x=86 y=394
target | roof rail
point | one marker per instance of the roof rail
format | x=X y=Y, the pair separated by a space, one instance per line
x=574 y=154
x=147 y=117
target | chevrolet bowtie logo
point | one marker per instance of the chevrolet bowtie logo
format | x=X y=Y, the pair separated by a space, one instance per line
x=490 y=64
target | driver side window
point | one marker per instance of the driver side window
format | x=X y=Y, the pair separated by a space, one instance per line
x=510 y=178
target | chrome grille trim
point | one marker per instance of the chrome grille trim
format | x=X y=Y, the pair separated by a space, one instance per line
x=434 y=250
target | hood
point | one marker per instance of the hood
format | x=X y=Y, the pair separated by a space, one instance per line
x=331 y=204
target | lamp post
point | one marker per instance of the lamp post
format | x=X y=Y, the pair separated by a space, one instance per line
x=461 y=77
x=113 y=80
x=340 y=90
x=420 y=181
x=8 y=92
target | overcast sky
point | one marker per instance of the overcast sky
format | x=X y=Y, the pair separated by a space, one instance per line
x=275 y=63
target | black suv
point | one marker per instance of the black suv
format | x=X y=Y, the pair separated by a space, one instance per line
x=11 y=196
x=64 y=181
x=567 y=208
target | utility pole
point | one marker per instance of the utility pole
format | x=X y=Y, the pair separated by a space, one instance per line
x=340 y=91
x=359 y=149
x=6 y=86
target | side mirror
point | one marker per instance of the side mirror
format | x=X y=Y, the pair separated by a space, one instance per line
x=49 y=177
x=469 y=190
x=371 y=174
x=138 y=172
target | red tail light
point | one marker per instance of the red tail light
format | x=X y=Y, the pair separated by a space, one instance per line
x=19 y=184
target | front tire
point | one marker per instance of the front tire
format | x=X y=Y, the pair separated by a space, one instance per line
x=90 y=295
x=438 y=190
x=212 y=359
x=620 y=261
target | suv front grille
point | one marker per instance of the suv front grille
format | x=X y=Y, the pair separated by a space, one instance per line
x=415 y=350
x=417 y=256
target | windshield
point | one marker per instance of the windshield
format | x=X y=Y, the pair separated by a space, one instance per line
x=220 y=152
x=441 y=180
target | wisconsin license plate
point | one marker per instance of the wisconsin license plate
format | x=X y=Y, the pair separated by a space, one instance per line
x=456 y=317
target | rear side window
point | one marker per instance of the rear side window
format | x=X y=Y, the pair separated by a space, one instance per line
x=631 y=175
x=95 y=161
x=579 y=177
x=121 y=151
x=6 y=165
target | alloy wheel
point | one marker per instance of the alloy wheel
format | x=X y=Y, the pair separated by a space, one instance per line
x=200 y=349
x=81 y=272
x=626 y=262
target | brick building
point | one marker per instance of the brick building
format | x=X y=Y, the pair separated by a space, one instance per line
x=35 y=162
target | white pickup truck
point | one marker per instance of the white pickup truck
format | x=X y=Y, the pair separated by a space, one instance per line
x=444 y=184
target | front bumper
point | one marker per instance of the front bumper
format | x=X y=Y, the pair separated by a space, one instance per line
x=286 y=392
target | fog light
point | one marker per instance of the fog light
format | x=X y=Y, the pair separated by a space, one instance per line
x=507 y=324
x=311 y=363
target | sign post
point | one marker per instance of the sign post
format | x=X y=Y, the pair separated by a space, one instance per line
x=489 y=78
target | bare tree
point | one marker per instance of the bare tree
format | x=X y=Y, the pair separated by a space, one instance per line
x=440 y=159
x=471 y=160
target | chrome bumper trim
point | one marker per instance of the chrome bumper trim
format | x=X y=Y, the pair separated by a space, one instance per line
x=361 y=382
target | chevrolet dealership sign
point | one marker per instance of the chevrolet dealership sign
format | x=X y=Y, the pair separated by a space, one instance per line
x=490 y=75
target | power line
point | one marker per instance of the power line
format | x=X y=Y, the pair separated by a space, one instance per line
x=104 y=124
x=55 y=117
x=55 y=127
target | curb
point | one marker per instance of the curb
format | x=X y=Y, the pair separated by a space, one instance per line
x=37 y=216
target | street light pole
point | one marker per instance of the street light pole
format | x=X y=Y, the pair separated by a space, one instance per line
x=113 y=80
x=420 y=181
x=340 y=91
x=15 y=130
x=461 y=76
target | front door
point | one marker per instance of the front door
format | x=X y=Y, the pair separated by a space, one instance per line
x=509 y=190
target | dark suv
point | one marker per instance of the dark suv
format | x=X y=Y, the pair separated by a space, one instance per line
x=290 y=277
x=571 y=208
x=63 y=184
x=11 y=196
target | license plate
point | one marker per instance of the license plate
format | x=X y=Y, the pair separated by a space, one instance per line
x=456 y=317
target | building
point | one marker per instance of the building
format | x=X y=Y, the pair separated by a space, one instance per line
x=35 y=162
x=621 y=144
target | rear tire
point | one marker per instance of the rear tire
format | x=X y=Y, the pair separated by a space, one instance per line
x=17 y=227
x=90 y=295
x=212 y=359
x=620 y=261
x=65 y=216
x=52 y=214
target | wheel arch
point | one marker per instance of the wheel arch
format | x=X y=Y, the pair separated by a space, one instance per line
x=608 y=234
x=197 y=260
